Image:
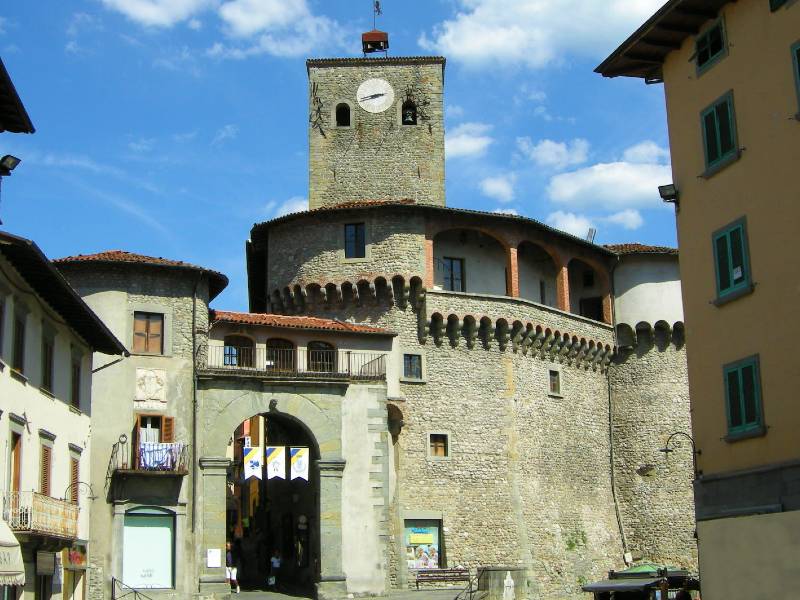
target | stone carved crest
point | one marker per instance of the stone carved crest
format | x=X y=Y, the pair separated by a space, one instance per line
x=151 y=385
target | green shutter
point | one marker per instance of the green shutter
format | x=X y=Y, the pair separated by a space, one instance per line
x=796 y=63
x=743 y=395
x=710 y=46
x=719 y=131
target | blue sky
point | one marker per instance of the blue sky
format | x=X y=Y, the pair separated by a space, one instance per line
x=169 y=127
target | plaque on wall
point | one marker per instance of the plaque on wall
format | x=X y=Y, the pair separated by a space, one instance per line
x=151 y=387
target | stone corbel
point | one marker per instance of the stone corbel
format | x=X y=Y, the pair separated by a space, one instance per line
x=470 y=332
x=454 y=327
x=517 y=333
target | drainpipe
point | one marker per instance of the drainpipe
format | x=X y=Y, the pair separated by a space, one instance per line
x=194 y=398
x=611 y=418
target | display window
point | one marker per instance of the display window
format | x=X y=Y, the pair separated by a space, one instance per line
x=423 y=544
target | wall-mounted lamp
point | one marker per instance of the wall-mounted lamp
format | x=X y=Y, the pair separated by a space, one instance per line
x=669 y=193
x=667 y=450
x=7 y=164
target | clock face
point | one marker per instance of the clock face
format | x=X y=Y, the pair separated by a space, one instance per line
x=375 y=95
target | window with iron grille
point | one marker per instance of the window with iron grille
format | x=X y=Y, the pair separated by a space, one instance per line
x=148 y=333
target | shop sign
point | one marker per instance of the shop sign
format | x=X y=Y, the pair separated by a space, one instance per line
x=45 y=563
x=75 y=558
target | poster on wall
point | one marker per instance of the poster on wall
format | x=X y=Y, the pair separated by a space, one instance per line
x=422 y=544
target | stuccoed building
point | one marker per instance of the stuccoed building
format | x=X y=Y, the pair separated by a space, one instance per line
x=473 y=389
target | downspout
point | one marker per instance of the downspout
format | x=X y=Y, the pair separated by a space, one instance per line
x=194 y=398
x=611 y=419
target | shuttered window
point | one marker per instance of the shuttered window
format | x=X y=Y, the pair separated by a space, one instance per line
x=44 y=470
x=148 y=333
x=796 y=68
x=18 y=353
x=151 y=428
x=731 y=259
x=75 y=383
x=743 y=395
x=776 y=4
x=48 y=353
x=710 y=46
x=74 y=478
x=719 y=131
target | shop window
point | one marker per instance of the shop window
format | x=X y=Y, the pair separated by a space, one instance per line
x=409 y=111
x=719 y=132
x=412 y=366
x=148 y=333
x=321 y=357
x=342 y=115
x=239 y=351
x=355 y=243
x=731 y=260
x=18 y=350
x=423 y=544
x=554 y=382
x=710 y=46
x=280 y=355
x=743 y=396
x=454 y=274
x=438 y=445
x=48 y=362
x=148 y=548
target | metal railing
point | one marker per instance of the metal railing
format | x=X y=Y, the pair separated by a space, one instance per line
x=122 y=590
x=36 y=513
x=149 y=457
x=301 y=362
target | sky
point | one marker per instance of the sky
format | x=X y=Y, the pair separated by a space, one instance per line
x=170 y=127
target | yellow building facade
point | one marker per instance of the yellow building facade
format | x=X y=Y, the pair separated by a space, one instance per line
x=731 y=74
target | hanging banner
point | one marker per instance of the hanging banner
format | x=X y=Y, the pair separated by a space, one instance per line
x=276 y=462
x=299 y=464
x=252 y=463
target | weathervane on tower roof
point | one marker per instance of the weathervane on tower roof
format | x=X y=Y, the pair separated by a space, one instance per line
x=375 y=41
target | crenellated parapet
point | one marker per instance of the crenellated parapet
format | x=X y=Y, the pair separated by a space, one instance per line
x=644 y=336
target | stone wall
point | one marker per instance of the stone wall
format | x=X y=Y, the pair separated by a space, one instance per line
x=376 y=157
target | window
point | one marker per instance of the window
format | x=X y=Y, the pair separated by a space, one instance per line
x=719 y=131
x=412 y=366
x=16 y=461
x=409 y=111
x=75 y=382
x=731 y=259
x=710 y=46
x=280 y=355
x=424 y=544
x=454 y=274
x=555 y=383
x=74 y=478
x=148 y=333
x=342 y=115
x=18 y=353
x=44 y=469
x=743 y=395
x=588 y=279
x=354 y=240
x=795 y=64
x=776 y=4
x=2 y=322
x=439 y=447
x=239 y=351
x=154 y=429
x=542 y=292
x=48 y=352
x=321 y=357
x=148 y=548
x=591 y=308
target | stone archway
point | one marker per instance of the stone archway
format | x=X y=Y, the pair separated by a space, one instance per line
x=223 y=404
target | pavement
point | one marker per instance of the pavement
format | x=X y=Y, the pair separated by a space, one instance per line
x=448 y=594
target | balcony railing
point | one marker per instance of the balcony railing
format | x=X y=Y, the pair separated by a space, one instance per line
x=150 y=458
x=36 y=513
x=313 y=364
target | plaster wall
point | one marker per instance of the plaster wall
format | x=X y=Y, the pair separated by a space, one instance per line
x=484 y=260
x=535 y=267
x=760 y=186
x=647 y=288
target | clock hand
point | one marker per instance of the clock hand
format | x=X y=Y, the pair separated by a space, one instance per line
x=372 y=97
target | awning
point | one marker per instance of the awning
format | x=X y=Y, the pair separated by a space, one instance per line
x=622 y=585
x=12 y=571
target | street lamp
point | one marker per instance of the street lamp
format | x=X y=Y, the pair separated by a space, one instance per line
x=667 y=450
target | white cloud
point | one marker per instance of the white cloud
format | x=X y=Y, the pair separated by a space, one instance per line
x=142 y=144
x=71 y=47
x=195 y=24
x=227 y=132
x=628 y=219
x=646 y=152
x=181 y=138
x=158 y=13
x=501 y=188
x=570 y=222
x=3 y=23
x=505 y=211
x=555 y=155
x=453 y=111
x=535 y=33
x=181 y=60
x=247 y=17
x=468 y=140
x=292 y=205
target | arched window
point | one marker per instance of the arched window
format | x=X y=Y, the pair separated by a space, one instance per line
x=321 y=357
x=148 y=547
x=342 y=115
x=409 y=113
x=239 y=351
x=280 y=355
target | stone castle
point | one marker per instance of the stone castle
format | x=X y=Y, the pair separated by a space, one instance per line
x=475 y=389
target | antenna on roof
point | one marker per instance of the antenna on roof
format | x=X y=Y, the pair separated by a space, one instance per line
x=375 y=41
x=590 y=235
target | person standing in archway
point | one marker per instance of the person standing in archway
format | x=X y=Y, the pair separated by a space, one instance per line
x=274 y=569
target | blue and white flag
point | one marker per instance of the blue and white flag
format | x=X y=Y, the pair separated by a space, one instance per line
x=252 y=463
x=299 y=463
x=276 y=462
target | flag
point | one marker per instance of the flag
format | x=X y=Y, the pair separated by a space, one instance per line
x=252 y=463
x=299 y=463
x=378 y=10
x=276 y=462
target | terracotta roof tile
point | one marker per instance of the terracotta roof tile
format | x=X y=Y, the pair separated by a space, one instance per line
x=294 y=322
x=636 y=248
x=218 y=281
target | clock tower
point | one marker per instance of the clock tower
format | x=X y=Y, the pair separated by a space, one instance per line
x=376 y=130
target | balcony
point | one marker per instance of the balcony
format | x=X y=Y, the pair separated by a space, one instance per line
x=149 y=458
x=37 y=514
x=295 y=363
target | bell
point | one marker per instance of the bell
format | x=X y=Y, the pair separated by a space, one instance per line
x=408 y=117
